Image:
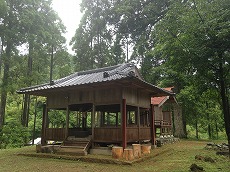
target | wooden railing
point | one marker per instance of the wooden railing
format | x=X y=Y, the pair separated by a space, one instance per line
x=132 y=134
x=57 y=134
x=163 y=123
x=104 y=134
x=79 y=132
x=145 y=133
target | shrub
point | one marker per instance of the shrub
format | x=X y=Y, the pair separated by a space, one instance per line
x=13 y=134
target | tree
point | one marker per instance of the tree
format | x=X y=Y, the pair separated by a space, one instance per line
x=194 y=36
x=10 y=36
x=34 y=26
x=92 y=39
x=43 y=30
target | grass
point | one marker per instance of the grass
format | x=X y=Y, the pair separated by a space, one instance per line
x=172 y=157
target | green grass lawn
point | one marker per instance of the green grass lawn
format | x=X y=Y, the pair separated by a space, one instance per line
x=172 y=157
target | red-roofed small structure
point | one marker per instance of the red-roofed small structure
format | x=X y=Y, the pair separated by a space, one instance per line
x=163 y=112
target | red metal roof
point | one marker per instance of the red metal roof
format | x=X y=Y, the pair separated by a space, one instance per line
x=159 y=100
x=169 y=89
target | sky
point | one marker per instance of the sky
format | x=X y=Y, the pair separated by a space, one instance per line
x=69 y=12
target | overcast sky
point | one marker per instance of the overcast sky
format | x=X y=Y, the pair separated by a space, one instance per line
x=69 y=12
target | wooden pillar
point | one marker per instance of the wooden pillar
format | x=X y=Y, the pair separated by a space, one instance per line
x=171 y=122
x=153 y=130
x=93 y=124
x=138 y=123
x=124 y=123
x=44 y=121
x=102 y=118
x=67 y=122
x=116 y=119
x=84 y=120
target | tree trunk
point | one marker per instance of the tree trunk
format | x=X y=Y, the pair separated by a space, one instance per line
x=51 y=65
x=5 y=83
x=178 y=122
x=209 y=127
x=196 y=127
x=217 y=137
x=2 y=108
x=35 y=117
x=25 y=114
x=184 y=124
x=26 y=109
x=225 y=103
x=1 y=49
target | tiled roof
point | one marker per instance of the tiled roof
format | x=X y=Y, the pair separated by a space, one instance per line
x=106 y=74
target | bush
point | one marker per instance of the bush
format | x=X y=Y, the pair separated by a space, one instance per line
x=13 y=134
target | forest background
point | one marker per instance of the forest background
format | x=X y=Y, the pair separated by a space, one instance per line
x=185 y=44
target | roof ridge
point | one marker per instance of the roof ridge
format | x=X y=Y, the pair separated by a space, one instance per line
x=98 y=70
x=85 y=73
x=117 y=70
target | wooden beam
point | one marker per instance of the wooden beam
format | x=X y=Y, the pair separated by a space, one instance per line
x=138 y=122
x=93 y=124
x=44 y=121
x=153 y=130
x=67 y=122
x=124 y=123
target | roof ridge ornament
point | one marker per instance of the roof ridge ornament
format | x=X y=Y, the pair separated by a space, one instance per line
x=105 y=75
x=131 y=73
x=52 y=82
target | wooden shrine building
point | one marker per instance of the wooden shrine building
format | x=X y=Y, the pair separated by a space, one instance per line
x=163 y=108
x=111 y=105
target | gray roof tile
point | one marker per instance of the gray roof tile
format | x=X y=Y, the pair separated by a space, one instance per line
x=89 y=77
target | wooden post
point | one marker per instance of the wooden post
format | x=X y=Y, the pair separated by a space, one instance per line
x=93 y=124
x=116 y=119
x=44 y=121
x=171 y=123
x=67 y=122
x=84 y=120
x=124 y=123
x=138 y=122
x=153 y=130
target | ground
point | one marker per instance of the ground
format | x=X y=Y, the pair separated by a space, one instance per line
x=172 y=157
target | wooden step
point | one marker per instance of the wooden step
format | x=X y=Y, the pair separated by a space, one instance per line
x=76 y=146
x=67 y=141
x=71 y=151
